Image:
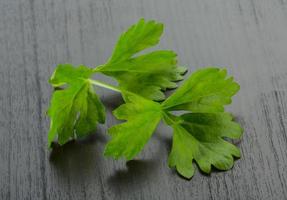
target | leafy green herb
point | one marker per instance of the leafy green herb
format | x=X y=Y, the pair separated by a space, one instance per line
x=147 y=74
x=207 y=90
x=74 y=111
x=199 y=135
x=129 y=138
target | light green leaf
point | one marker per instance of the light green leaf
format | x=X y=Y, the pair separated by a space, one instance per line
x=200 y=137
x=75 y=110
x=206 y=90
x=148 y=74
x=129 y=138
x=138 y=37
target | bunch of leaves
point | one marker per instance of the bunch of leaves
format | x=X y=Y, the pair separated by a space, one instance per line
x=199 y=134
x=76 y=110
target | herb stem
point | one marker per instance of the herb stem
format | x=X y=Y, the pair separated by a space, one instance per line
x=104 y=85
x=170 y=119
x=98 y=68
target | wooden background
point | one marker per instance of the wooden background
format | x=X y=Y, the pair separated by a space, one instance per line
x=249 y=37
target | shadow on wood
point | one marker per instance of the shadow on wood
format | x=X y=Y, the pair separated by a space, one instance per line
x=138 y=173
x=78 y=158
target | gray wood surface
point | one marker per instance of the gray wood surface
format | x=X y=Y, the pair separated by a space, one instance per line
x=249 y=37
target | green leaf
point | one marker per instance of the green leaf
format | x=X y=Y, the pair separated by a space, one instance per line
x=148 y=74
x=129 y=138
x=76 y=109
x=207 y=90
x=138 y=37
x=200 y=137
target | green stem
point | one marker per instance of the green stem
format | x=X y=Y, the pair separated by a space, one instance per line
x=98 y=68
x=170 y=119
x=104 y=85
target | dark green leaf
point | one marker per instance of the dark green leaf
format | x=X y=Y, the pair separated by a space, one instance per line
x=200 y=137
x=206 y=90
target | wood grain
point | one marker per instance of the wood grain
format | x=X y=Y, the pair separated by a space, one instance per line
x=249 y=37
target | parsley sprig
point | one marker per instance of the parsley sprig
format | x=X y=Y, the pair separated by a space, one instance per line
x=198 y=135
